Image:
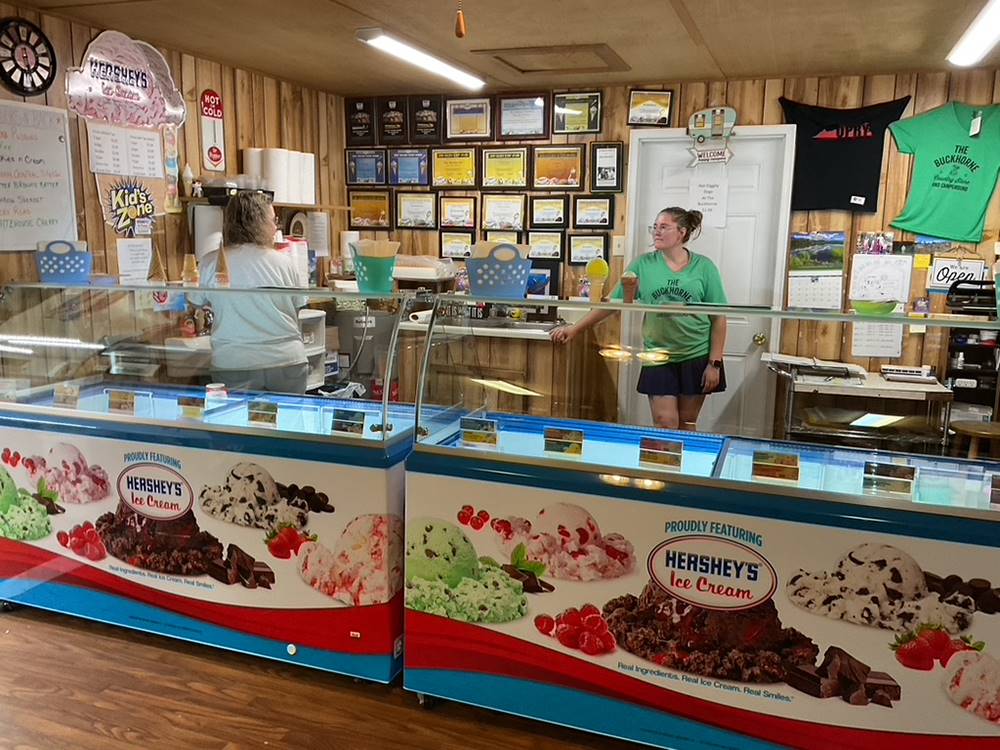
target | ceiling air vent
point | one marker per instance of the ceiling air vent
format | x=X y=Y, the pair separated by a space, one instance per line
x=569 y=58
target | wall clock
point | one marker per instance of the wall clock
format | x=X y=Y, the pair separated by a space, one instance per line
x=27 y=62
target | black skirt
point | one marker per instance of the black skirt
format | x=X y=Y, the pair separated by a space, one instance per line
x=677 y=379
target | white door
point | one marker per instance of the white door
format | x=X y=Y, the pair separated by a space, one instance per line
x=750 y=252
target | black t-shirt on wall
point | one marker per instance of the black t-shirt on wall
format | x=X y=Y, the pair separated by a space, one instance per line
x=838 y=154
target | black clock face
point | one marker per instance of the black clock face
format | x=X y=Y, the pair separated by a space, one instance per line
x=27 y=62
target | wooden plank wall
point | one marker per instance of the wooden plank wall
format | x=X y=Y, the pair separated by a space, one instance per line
x=756 y=102
x=259 y=111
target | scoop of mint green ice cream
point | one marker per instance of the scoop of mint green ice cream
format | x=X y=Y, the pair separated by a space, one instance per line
x=444 y=577
x=438 y=551
x=25 y=519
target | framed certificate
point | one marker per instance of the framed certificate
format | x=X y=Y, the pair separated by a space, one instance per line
x=576 y=112
x=650 y=108
x=549 y=211
x=408 y=166
x=456 y=244
x=501 y=235
x=359 y=120
x=365 y=166
x=426 y=120
x=583 y=248
x=523 y=117
x=457 y=211
x=392 y=120
x=453 y=167
x=607 y=167
x=370 y=209
x=557 y=167
x=504 y=168
x=593 y=211
x=544 y=244
x=503 y=212
x=468 y=119
x=416 y=210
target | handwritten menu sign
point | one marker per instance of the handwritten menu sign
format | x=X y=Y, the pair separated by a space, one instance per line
x=36 y=182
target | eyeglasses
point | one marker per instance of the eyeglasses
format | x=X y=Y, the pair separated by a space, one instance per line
x=653 y=228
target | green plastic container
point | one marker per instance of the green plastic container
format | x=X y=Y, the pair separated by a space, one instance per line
x=374 y=274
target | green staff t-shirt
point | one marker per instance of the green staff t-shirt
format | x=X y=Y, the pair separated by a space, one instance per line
x=954 y=173
x=684 y=337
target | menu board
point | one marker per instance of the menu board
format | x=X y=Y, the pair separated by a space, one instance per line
x=36 y=179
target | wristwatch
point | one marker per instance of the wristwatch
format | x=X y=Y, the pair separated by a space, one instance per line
x=716 y=363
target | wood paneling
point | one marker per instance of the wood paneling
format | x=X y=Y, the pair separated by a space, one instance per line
x=258 y=111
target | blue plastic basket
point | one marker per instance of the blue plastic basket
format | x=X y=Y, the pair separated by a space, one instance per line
x=494 y=276
x=64 y=262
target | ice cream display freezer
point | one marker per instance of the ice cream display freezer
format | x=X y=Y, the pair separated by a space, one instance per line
x=688 y=590
x=264 y=523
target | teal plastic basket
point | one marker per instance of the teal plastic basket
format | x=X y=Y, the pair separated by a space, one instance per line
x=502 y=274
x=374 y=274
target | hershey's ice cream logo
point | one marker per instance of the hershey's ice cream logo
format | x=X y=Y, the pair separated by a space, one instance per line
x=712 y=573
x=155 y=491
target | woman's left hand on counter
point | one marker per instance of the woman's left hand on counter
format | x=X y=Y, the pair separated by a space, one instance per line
x=710 y=379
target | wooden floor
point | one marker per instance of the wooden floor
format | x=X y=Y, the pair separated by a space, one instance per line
x=67 y=683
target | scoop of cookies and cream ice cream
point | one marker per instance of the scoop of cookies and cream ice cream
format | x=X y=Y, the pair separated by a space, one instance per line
x=880 y=586
x=364 y=567
x=444 y=577
x=249 y=496
x=566 y=539
x=973 y=682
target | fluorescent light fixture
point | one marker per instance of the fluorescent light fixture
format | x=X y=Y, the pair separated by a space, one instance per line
x=14 y=350
x=382 y=41
x=981 y=36
x=50 y=341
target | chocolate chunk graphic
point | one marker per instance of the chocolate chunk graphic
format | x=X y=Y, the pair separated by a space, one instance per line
x=804 y=677
x=978 y=585
x=855 y=695
x=952 y=582
x=838 y=664
x=882 y=682
x=881 y=698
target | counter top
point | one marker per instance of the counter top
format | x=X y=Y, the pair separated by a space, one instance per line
x=497 y=332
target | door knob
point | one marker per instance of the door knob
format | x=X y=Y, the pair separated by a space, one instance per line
x=760 y=338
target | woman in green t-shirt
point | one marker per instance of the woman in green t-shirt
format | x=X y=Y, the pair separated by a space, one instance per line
x=693 y=344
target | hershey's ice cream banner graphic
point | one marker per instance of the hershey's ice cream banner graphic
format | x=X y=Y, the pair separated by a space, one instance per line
x=788 y=632
x=260 y=554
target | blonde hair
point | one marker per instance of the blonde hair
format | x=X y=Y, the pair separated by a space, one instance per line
x=246 y=220
x=689 y=221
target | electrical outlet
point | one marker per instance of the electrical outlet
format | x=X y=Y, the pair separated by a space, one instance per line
x=618 y=245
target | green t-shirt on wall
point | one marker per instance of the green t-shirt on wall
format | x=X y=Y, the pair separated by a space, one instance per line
x=954 y=173
x=684 y=337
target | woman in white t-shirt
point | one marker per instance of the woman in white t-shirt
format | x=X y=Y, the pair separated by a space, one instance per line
x=256 y=340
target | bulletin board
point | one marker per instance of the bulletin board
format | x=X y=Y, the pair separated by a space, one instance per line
x=36 y=178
